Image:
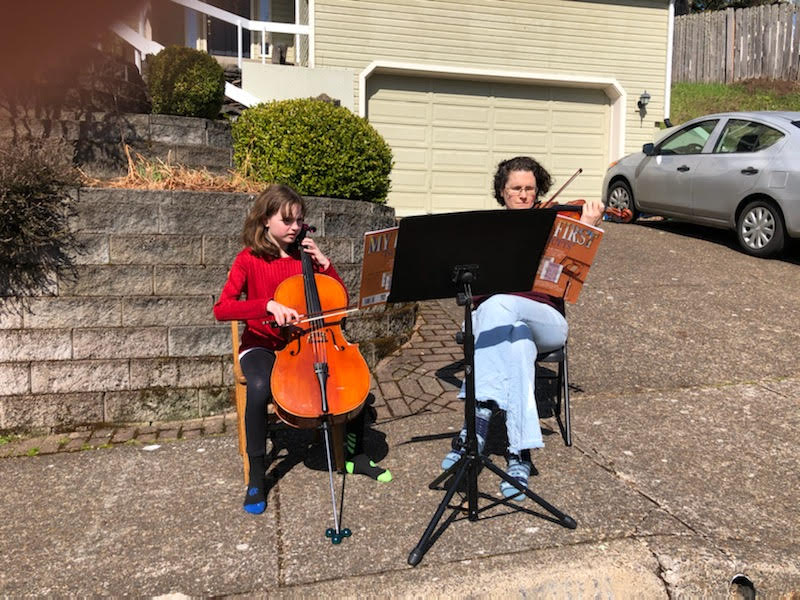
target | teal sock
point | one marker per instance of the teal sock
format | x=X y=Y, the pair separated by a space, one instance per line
x=483 y=415
x=520 y=470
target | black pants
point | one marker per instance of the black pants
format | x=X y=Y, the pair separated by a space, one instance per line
x=257 y=368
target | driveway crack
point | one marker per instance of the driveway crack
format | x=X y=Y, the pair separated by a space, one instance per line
x=656 y=504
x=594 y=457
x=662 y=573
x=280 y=551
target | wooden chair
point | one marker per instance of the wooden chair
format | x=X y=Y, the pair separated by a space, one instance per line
x=240 y=396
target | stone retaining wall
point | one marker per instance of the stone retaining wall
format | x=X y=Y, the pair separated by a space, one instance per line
x=132 y=338
x=100 y=138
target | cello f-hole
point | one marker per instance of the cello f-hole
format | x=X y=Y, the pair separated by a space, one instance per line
x=336 y=345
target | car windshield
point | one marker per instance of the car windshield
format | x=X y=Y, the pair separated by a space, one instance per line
x=746 y=136
x=690 y=140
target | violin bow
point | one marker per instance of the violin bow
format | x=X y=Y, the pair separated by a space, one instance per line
x=551 y=201
x=623 y=215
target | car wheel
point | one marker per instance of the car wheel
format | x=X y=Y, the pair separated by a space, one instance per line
x=760 y=229
x=621 y=197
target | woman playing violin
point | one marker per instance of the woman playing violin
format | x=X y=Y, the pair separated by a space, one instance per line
x=269 y=257
x=510 y=330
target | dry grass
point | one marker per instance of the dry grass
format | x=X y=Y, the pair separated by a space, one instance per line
x=146 y=174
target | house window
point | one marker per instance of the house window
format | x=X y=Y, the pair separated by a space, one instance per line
x=222 y=35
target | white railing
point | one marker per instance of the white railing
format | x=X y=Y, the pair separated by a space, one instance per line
x=145 y=46
x=137 y=40
x=262 y=27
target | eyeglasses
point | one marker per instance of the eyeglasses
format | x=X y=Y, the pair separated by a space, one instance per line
x=517 y=190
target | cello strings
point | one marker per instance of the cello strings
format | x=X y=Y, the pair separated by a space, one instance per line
x=319 y=326
x=317 y=332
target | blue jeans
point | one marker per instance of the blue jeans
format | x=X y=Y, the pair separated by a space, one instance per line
x=509 y=332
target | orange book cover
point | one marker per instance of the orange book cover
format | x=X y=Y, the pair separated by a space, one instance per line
x=376 y=269
x=565 y=263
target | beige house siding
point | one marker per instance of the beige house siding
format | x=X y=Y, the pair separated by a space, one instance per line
x=448 y=135
x=625 y=40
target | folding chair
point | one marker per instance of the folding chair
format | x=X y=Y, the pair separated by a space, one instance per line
x=560 y=356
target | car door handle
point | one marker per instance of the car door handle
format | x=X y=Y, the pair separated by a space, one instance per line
x=749 y=171
x=683 y=168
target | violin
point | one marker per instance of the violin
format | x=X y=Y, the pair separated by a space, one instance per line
x=319 y=376
x=623 y=215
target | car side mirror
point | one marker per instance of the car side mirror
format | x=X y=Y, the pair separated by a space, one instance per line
x=649 y=149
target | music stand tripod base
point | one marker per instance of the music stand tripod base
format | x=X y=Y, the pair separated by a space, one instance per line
x=470 y=463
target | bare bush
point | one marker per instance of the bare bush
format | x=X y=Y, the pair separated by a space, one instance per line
x=36 y=244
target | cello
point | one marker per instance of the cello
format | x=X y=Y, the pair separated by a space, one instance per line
x=319 y=379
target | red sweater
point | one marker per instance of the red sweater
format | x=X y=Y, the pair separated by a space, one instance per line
x=258 y=278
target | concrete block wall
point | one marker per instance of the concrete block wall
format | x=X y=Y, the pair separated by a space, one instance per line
x=132 y=337
x=99 y=138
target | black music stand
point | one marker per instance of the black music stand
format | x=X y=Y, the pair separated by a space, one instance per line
x=458 y=254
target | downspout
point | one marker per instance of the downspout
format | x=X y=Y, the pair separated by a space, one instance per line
x=668 y=75
x=297 y=35
x=312 y=36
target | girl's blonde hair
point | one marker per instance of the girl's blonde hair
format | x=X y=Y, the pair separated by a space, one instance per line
x=276 y=198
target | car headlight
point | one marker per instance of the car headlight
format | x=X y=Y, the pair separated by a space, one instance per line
x=612 y=164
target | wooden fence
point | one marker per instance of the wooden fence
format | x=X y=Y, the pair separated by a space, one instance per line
x=735 y=44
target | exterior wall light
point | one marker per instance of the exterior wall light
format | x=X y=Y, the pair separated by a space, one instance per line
x=644 y=100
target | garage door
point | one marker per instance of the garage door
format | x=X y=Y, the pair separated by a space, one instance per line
x=448 y=135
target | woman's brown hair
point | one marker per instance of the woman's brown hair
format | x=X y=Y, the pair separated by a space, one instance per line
x=520 y=163
x=276 y=198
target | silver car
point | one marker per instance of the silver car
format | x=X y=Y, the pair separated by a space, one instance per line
x=738 y=171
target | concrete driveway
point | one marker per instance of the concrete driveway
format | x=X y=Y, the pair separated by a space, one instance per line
x=683 y=472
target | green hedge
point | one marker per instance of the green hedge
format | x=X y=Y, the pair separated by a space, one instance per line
x=185 y=82
x=314 y=146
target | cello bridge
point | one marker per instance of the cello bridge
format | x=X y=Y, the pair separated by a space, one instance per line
x=318 y=337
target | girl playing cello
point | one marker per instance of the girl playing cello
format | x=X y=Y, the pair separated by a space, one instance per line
x=269 y=257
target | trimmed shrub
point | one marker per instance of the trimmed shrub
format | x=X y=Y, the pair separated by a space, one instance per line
x=185 y=82
x=36 y=243
x=314 y=146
